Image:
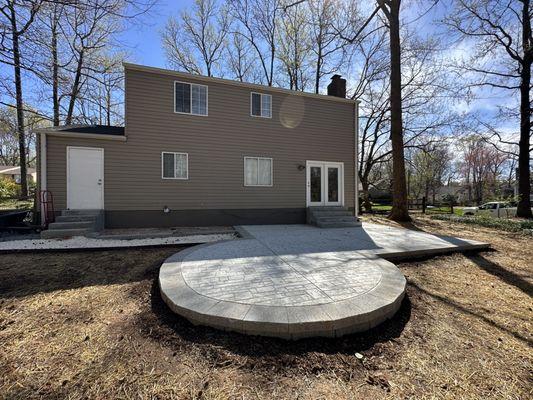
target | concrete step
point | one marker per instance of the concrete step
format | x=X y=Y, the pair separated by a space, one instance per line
x=75 y=223
x=338 y=224
x=76 y=218
x=331 y=217
x=63 y=233
x=80 y=212
x=333 y=213
x=328 y=208
x=347 y=218
x=72 y=225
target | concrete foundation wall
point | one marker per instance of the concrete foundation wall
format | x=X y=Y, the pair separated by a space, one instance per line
x=152 y=218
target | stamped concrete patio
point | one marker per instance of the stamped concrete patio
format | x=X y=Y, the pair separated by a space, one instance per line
x=295 y=281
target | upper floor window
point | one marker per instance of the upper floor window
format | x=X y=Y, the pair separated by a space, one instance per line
x=190 y=98
x=261 y=105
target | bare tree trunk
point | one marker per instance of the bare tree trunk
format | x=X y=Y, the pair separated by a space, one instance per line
x=272 y=55
x=20 y=105
x=75 y=90
x=524 y=184
x=108 y=104
x=367 y=204
x=318 y=67
x=399 y=210
x=272 y=50
x=55 y=70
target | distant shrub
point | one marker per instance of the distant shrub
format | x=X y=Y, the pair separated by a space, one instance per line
x=504 y=224
x=32 y=187
x=8 y=188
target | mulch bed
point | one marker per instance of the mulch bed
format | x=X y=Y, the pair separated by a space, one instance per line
x=92 y=324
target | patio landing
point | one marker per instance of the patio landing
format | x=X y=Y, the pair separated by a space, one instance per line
x=296 y=281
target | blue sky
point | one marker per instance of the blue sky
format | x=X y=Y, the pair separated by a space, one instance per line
x=143 y=39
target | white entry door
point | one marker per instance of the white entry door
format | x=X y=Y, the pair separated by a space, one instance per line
x=85 y=178
x=325 y=183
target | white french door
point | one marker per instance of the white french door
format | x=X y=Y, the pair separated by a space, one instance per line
x=325 y=183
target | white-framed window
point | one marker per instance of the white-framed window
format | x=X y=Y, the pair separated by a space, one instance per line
x=174 y=165
x=261 y=105
x=258 y=171
x=190 y=98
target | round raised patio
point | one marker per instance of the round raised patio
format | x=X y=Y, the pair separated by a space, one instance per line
x=292 y=290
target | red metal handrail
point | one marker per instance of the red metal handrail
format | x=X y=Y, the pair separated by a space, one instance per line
x=47 y=203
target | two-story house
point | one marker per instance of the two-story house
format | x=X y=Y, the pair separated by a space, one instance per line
x=198 y=151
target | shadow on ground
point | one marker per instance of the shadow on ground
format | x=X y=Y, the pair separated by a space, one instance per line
x=462 y=309
x=27 y=274
x=263 y=349
x=502 y=273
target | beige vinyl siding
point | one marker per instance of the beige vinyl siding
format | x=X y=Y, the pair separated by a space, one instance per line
x=301 y=128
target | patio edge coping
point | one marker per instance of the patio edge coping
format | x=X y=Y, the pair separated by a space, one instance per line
x=334 y=319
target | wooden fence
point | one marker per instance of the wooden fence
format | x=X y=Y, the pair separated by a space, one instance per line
x=415 y=205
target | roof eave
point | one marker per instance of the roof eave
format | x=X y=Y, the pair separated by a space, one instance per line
x=100 y=136
x=255 y=86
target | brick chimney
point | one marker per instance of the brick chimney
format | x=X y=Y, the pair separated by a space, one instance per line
x=337 y=87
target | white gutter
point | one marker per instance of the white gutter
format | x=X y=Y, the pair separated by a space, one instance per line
x=119 y=138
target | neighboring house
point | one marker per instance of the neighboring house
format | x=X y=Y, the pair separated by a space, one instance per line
x=13 y=172
x=206 y=151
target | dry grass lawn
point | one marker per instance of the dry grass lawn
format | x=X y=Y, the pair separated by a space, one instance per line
x=92 y=325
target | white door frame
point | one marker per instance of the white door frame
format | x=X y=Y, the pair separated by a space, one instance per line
x=68 y=172
x=324 y=183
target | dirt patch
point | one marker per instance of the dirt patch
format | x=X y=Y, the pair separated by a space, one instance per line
x=92 y=324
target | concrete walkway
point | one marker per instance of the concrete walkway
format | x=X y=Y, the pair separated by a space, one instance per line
x=372 y=239
x=295 y=281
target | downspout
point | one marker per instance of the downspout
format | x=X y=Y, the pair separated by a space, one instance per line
x=42 y=171
x=356 y=172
